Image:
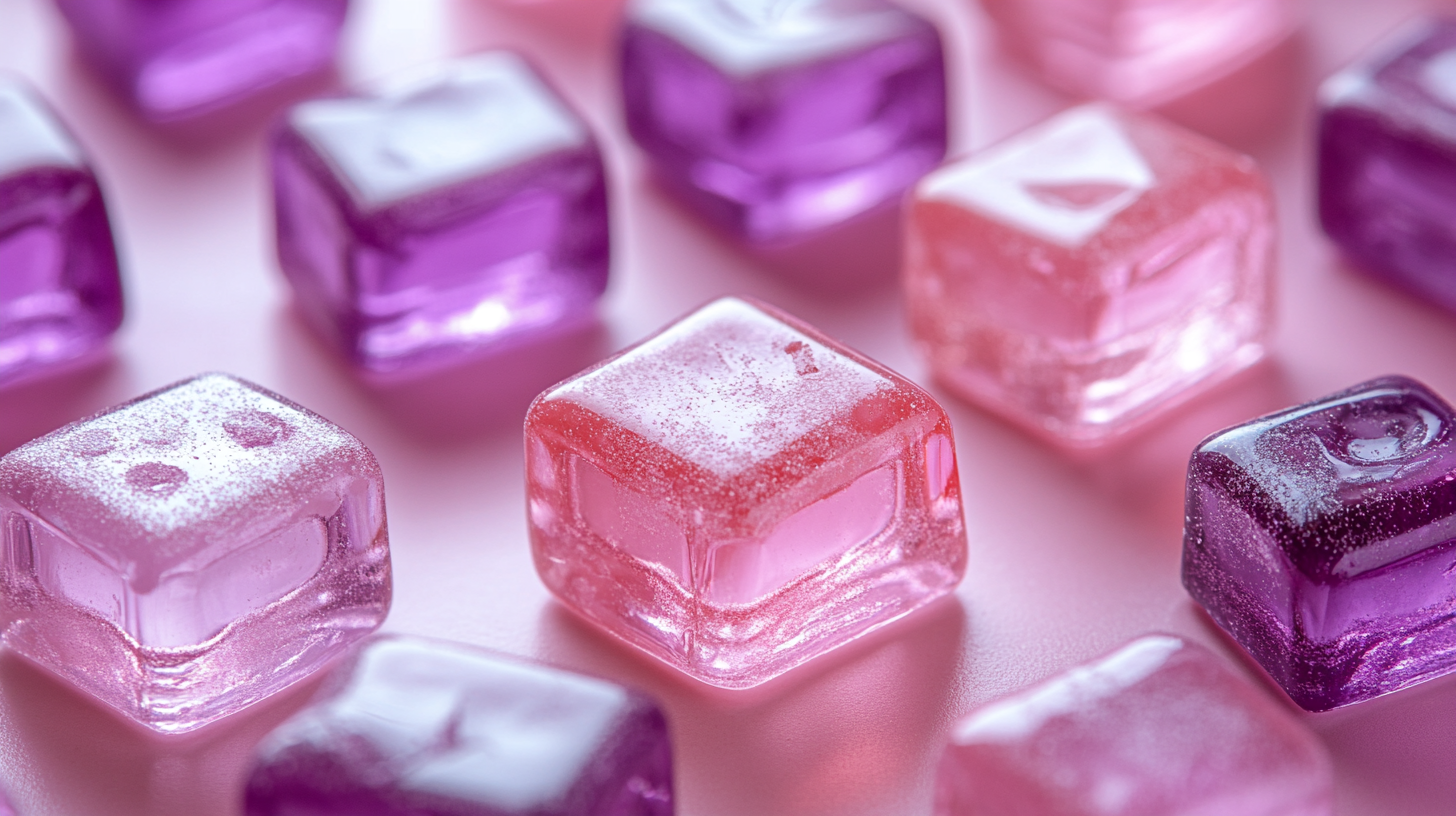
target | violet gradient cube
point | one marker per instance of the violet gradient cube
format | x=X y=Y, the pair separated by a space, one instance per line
x=184 y=555
x=739 y=494
x=179 y=59
x=1159 y=726
x=455 y=213
x=414 y=727
x=779 y=119
x=1387 y=160
x=60 y=288
x=1321 y=538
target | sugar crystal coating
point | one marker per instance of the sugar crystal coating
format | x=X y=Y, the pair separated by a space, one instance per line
x=453 y=213
x=1088 y=273
x=739 y=493
x=413 y=727
x=779 y=119
x=1141 y=52
x=1321 y=538
x=184 y=555
x=1157 y=727
x=1387 y=160
x=180 y=59
x=60 y=290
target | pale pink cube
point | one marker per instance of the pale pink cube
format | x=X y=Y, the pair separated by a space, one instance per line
x=1158 y=728
x=1090 y=272
x=186 y=554
x=739 y=494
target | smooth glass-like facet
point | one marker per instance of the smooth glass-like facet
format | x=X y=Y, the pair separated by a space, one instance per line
x=413 y=727
x=60 y=290
x=189 y=553
x=776 y=119
x=1089 y=272
x=1387 y=160
x=178 y=59
x=739 y=493
x=1157 y=727
x=1323 y=538
x=454 y=213
x=1141 y=52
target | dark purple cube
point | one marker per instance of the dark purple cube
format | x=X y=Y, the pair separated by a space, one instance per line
x=1323 y=538
x=60 y=290
x=177 y=59
x=1387 y=160
x=777 y=120
x=414 y=727
x=456 y=213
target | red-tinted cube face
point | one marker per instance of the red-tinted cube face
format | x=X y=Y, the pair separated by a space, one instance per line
x=739 y=494
x=1087 y=271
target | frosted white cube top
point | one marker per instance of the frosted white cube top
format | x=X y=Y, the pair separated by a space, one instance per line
x=29 y=135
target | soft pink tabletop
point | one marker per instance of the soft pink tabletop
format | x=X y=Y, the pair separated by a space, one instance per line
x=1068 y=559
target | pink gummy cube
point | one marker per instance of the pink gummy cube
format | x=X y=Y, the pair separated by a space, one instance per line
x=1158 y=728
x=186 y=554
x=740 y=493
x=1089 y=272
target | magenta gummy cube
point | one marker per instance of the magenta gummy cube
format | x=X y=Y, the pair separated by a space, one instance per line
x=179 y=59
x=458 y=212
x=1320 y=538
x=1091 y=272
x=186 y=554
x=1159 y=726
x=740 y=493
x=413 y=727
x=60 y=289
x=1387 y=160
x=776 y=120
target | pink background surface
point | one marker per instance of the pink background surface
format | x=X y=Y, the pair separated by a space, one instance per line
x=1068 y=558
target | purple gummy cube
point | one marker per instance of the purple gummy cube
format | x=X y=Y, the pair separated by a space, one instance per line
x=457 y=212
x=414 y=727
x=60 y=290
x=1157 y=727
x=1323 y=538
x=779 y=119
x=1387 y=160
x=186 y=554
x=178 y=59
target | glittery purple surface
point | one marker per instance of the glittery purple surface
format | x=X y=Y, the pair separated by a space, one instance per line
x=414 y=727
x=178 y=59
x=455 y=213
x=1387 y=160
x=60 y=293
x=1322 y=538
x=777 y=120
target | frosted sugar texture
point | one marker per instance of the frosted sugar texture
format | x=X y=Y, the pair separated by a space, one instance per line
x=60 y=290
x=1157 y=727
x=739 y=494
x=413 y=727
x=455 y=212
x=1321 y=538
x=1088 y=273
x=186 y=554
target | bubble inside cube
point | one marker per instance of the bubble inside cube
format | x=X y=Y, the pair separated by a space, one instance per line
x=1321 y=538
x=412 y=726
x=1387 y=160
x=1088 y=273
x=457 y=212
x=1158 y=726
x=1141 y=52
x=179 y=59
x=60 y=291
x=186 y=554
x=777 y=120
x=739 y=494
